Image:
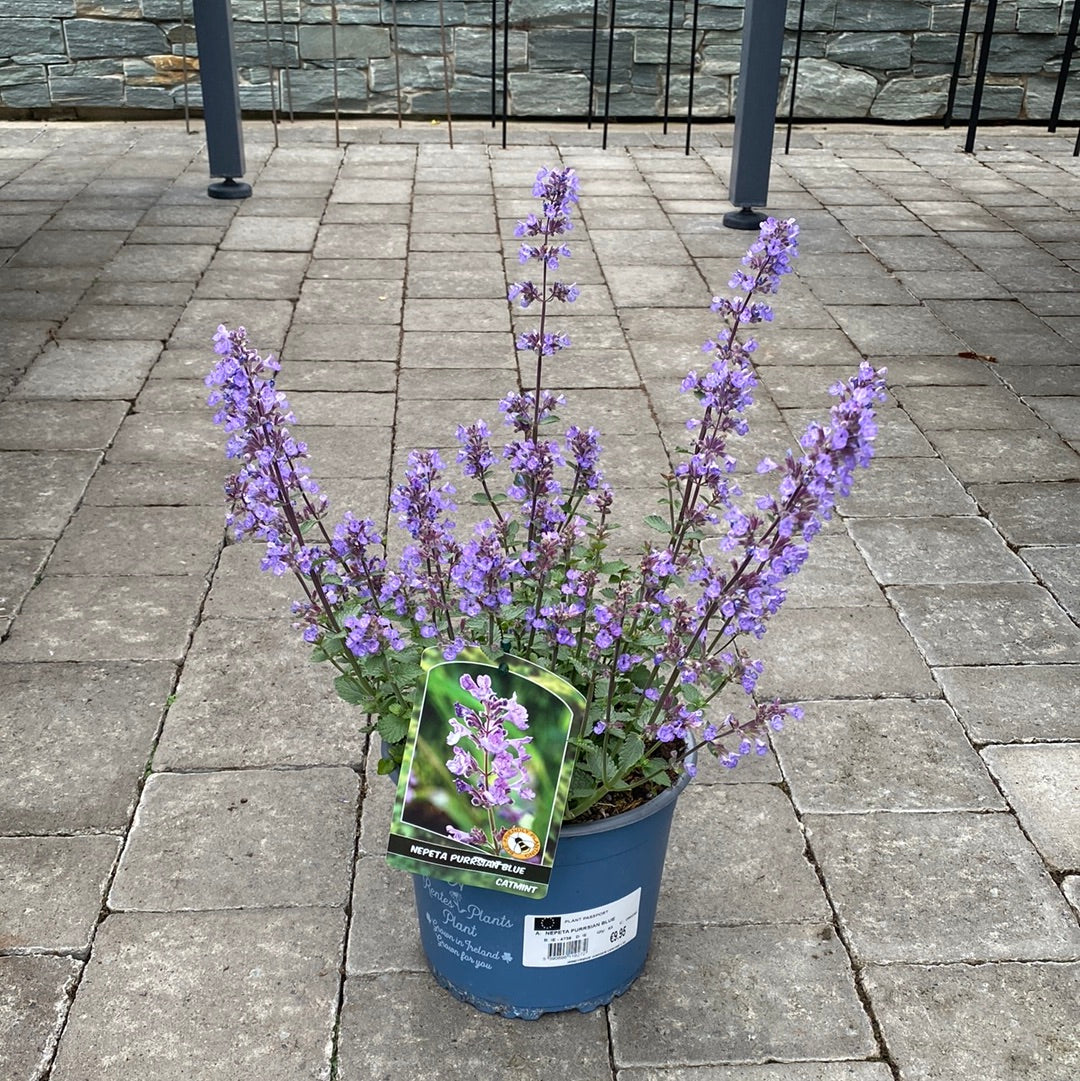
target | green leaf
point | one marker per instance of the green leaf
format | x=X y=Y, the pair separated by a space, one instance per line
x=392 y=729
x=348 y=691
x=661 y=525
x=630 y=752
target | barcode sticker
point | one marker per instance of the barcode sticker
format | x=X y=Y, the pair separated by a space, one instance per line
x=572 y=937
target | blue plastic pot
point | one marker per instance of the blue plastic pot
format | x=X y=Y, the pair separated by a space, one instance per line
x=577 y=948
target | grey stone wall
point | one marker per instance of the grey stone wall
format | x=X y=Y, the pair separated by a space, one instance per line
x=879 y=59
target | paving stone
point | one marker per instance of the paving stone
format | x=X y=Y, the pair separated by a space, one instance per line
x=878 y=330
x=835 y=576
x=339 y=341
x=241 y=590
x=394 y=1027
x=1061 y=413
x=20 y=563
x=74 y=742
x=278 y=234
x=1003 y=329
x=788 y=1071
x=169 y=438
x=1033 y=513
x=98 y=321
x=171 y=396
x=941 y=888
x=151 y=263
x=46 y=425
x=1010 y=703
x=1041 y=781
x=866 y=289
x=757 y=854
x=840 y=652
x=247 y=698
x=140 y=541
x=653 y=285
x=816 y=348
x=34 y=996
x=375 y=944
x=89 y=369
x=350 y=303
x=348 y=452
x=924 y=551
x=250 y=994
x=150 y=484
x=788 y=386
x=241 y=839
x=343 y=408
x=994 y=623
x=368 y=376
x=986 y=408
x=900 y=253
x=105 y=619
x=84 y=247
x=922 y=486
x=52 y=890
x=889 y=755
x=738 y=977
x=1071 y=888
x=455 y=315
x=369 y=241
x=266 y=321
x=981 y=457
x=1051 y=379
x=1001 y=1022
x=1059 y=570
x=954 y=285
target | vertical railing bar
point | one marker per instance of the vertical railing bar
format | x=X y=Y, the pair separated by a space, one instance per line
x=334 y=62
x=446 y=73
x=506 y=67
x=610 y=59
x=184 y=64
x=690 y=87
x=270 y=71
x=288 y=68
x=950 y=102
x=980 y=75
x=1066 y=64
x=794 y=75
x=494 y=56
x=667 y=63
x=592 y=61
x=397 y=60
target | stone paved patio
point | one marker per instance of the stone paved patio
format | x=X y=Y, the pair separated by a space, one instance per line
x=191 y=831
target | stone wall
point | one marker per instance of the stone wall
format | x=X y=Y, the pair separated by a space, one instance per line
x=879 y=59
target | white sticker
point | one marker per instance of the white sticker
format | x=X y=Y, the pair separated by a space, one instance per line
x=573 y=937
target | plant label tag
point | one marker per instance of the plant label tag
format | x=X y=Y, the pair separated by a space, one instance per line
x=574 y=937
x=486 y=773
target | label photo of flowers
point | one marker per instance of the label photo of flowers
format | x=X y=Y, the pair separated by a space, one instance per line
x=486 y=773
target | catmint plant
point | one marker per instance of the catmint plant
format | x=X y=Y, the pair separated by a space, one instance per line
x=650 y=641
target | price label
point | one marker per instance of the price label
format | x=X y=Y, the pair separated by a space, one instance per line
x=572 y=937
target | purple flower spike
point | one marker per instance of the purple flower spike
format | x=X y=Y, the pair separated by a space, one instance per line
x=490 y=768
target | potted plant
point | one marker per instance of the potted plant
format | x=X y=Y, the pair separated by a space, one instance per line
x=648 y=643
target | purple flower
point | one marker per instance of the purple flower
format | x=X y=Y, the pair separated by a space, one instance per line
x=491 y=768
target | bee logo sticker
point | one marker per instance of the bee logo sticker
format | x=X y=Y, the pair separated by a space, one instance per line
x=520 y=843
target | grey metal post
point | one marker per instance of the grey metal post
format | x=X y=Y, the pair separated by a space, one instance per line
x=221 y=98
x=755 y=110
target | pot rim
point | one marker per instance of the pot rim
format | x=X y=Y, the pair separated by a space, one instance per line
x=635 y=814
